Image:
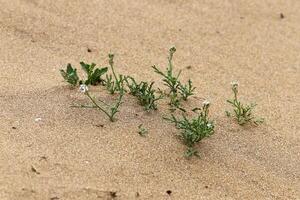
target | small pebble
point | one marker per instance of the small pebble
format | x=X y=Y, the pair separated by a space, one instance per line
x=99 y=125
x=38 y=119
x=43 y=158
x=34 y=170
x=113 y=194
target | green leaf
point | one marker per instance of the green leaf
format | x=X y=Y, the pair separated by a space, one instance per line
x=94 y=76
x=70 y=75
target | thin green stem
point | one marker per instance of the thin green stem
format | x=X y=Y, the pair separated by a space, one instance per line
x=94 y=102
x=111 y=63
x=82 y=106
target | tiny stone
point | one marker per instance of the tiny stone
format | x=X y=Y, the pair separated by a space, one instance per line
x=113 y=194
x=89 y=50
x=281 y=15
x=34 y=170
x=99 y=125
x=43 y=158
x=169 y=192
x=14 y=127
x=206 y=186
x=38 y=119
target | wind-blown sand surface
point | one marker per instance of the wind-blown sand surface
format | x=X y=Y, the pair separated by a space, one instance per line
x=75 y=158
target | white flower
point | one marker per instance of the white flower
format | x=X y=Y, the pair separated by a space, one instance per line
x=209 y=125
x=206 y=103
x=234 y=83
x=83 y=88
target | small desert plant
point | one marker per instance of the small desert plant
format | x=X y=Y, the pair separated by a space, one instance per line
x=177 y=91
x=70 y=75
x=175 y=103
x=195 y=129
x=116 y=85
x=186 y=90
x=93 y=75
x=142 y=131
x=109 y=110
x=242 y=112
x=170 y=80
x=144 y=92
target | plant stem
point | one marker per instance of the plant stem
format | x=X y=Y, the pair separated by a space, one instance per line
x=94 y=102
x=111 y=63
x=83 y=106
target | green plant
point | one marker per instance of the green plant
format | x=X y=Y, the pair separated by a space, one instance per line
x=94 y=75
x=177 y=91
x=169 y=79
x=242 y=112
x=144 y=93
x=70 y=75
x=195 y=129
x=109 y=110
x=116 y=85
x=175 y=103
x=186 y=90
x=142 y=131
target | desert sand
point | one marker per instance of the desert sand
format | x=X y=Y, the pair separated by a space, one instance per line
x=69 y=155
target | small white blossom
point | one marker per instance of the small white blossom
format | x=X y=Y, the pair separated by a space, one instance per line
x=234 y=83
x=206 y=103
x=83 y=88
x=209 y=125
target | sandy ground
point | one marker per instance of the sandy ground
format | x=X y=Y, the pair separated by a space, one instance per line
x=75 y=158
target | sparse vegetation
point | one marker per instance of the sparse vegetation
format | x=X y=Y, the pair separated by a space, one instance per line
x=70 y=75
x=194 y=129
x=186 y=90
x=113 y=82
x=242 y=112
x=177 y=90
x=108 y=109
x=144 y=92
x=169 y=79
x=93 y=75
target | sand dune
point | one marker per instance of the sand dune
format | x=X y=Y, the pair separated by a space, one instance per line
x=68 y=155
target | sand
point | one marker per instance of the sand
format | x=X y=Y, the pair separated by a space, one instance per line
x=68 y=155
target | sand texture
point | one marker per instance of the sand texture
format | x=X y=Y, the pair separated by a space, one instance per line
x=73 y=154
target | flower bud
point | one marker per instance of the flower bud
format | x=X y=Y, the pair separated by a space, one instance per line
x=83 y=88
